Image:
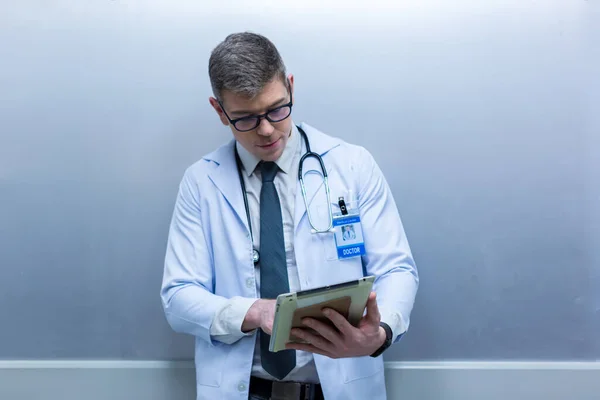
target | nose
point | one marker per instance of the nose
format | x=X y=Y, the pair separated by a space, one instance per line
x=265 y=128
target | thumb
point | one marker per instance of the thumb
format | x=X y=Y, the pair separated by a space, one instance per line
x=372 y=309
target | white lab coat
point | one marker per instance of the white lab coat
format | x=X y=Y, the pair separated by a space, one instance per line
x=209 y=259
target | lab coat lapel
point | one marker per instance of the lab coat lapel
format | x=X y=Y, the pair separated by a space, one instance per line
x=225 y=177
x=314 y=184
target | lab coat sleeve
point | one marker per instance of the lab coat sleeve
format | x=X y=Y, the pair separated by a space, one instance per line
x=227 y=323
x=187 y=291
x=388 y=256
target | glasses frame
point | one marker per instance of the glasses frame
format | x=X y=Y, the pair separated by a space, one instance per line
x=259 y=117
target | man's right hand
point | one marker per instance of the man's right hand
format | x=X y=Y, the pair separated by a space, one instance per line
x=260 y=315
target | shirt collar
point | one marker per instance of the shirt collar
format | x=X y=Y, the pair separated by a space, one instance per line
x=250 y=161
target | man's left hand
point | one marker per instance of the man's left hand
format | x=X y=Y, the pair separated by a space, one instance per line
x=347 y=340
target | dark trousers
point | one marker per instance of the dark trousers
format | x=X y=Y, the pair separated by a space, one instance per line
x=262 y=389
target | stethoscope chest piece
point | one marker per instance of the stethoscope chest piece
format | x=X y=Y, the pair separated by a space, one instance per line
x=255 y=256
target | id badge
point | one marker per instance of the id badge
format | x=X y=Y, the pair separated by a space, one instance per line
x=348 y=235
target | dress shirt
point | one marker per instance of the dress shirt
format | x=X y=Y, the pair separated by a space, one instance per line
x=227 y=324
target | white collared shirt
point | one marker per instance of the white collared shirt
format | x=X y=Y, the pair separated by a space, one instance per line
x=226 y=326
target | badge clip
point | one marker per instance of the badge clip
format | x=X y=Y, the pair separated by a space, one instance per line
x=342 y=205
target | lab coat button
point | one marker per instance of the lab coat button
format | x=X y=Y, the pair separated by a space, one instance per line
x=249 y=283
x=242 y=386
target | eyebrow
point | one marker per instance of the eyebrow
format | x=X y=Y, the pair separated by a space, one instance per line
x=272 y=105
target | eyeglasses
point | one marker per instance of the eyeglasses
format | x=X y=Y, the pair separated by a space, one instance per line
x=250 y=122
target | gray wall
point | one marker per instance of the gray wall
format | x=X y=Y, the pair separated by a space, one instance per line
x=483 y=115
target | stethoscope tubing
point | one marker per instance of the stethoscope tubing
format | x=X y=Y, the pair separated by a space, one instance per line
x=307 y=154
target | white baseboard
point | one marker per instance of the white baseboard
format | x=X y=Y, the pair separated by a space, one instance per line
x=493 y=380
x=174 y=380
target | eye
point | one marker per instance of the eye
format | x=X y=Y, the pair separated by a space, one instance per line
x=279 y=113
x=246 y=123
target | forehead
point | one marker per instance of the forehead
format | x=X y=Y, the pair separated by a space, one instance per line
x=273 y=92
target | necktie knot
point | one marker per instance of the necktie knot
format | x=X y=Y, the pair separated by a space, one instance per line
x=268 y=169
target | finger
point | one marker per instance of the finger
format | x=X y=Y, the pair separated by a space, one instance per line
x=340 y=322
x=315 y=340
x=309 y=348
x=325 y=330
x=372 y=309
x=268 y=328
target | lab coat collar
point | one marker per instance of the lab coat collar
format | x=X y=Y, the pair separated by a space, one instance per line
x=320 y=143
x=226 y=179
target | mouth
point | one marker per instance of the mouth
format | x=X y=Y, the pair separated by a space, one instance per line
x=270 y=145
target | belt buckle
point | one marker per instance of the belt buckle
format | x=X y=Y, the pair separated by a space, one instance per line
x=286 y=391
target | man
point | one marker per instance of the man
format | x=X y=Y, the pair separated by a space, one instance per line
x=348 y=232
x=241 y=235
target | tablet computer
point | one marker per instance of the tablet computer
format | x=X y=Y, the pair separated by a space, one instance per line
x=347 y=298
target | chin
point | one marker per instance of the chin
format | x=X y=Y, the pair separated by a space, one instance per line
x=271 y=157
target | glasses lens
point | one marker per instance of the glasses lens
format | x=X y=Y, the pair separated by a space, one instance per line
x=280 y=113
x=246 y=124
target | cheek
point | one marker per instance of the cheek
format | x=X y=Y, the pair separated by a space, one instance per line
x=284 y=127
x=246 y=139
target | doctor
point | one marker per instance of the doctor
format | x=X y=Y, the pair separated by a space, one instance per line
x=246 y=228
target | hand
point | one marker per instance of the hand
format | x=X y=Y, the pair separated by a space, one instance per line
x=347 y=340
x=260 y=315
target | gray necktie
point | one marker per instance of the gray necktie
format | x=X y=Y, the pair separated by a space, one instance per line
x=273 y=267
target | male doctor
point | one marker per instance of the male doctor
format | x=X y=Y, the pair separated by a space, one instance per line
x=241 y=234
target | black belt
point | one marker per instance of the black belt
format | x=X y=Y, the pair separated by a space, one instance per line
x=275 y=390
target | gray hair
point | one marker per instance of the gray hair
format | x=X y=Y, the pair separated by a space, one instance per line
x=243 y=64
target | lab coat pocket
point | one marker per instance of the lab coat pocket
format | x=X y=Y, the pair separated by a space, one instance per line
x=352 y=265
x=209 y=371
x=328 y=246
x=327 y=239
x=360 y=367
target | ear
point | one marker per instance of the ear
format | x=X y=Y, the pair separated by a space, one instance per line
x=215 y=104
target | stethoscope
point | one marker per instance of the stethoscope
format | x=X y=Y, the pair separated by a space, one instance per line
x=309 y=153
